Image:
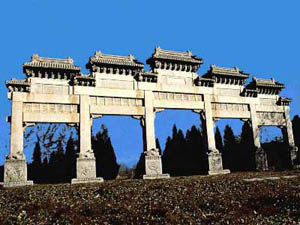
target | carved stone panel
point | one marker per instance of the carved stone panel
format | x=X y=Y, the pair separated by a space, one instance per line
x=153 y=165
x=177 y=96
x=230 y=107
x=51 y=89
x=270 y=118
x=116 y=101
x=50 y=108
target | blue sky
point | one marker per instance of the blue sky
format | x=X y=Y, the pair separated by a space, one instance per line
x=259 y=37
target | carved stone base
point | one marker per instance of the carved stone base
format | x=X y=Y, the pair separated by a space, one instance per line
x=215 y=164
x=294 y=152
x=155 y=176
x=261 y=160
x=87 y=180
x=153 y=167
x=86 y=171
x=15 y=173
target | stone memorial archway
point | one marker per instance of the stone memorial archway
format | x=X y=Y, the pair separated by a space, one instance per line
x=56 y=91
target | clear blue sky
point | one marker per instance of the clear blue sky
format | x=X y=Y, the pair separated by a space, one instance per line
x=259 y=37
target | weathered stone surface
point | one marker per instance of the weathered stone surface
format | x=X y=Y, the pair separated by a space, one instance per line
x=153 y=166
x=261 y=160
x=56 y=91
x=215 y=164
x=15 y=173
x=86 y=171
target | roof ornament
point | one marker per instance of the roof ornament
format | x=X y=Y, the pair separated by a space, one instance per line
x=236 y=69
x=189 y=53
x=131 y=57
x=70 y=60
x=157 y=50
x=35 y=57
x=98 y=54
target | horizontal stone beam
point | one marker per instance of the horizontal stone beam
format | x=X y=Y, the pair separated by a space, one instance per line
x=169 y=104
x=108 y=92
x=227 y=114
x=117 y=110
x=51 y=117
x=45 y=98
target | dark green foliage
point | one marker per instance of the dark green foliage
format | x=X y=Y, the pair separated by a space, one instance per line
x=219 y=141
x=36 y=157
x=239 y=153
x=36 y=164
x=277 y=154
x=61 y=166
x=185 y=155
x=106 y=163
x=158 y=146
x=246 y=151
x=230 y=148
x=70 y=159
x=140 y=167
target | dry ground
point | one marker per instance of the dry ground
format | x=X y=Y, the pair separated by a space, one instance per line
x=224 y=199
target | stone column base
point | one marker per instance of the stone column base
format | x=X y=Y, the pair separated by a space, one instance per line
x=86 y=171
x=215 y=164
x=15 y=173
x=261 y=160
x=153 y=167
x=294 y=160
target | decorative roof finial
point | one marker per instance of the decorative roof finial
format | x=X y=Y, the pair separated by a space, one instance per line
x=189 y=53
x=98 y=54
x=35 y=57
x=70 y=60
x=131 y=57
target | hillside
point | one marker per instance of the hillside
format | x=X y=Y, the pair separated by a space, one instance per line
x=226 y=199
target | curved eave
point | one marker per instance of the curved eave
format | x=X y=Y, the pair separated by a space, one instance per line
x=175 y=59
x=51 y=66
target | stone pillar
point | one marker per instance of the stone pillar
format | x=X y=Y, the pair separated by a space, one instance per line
x=260 y=154
x=153 y=164
x=15 y=168
x=86 y=162
x=214 y=156
x=287 y=133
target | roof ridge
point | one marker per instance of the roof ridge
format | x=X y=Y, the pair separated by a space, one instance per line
x=37 y=58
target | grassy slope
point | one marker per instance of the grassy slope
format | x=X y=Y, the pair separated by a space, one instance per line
x=225 y=199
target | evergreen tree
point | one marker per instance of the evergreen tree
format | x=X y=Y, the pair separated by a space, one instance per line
x=219 y=141
x=158 y=146
x=246 y=149
x=60 y=152
x=45 y=162
x=70 y=158
x=34 y=169
x=195 y=152
x=36 y=157
x=106 y=163
x=230 y=144
x=166 y=155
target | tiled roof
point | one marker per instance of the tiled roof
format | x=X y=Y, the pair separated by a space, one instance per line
x=227 y=71
x=267 y=83
x=101 y=58
x=176 y=56
x=53 y=63
x=16 y=82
